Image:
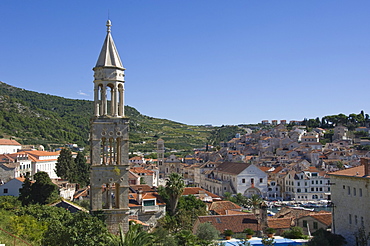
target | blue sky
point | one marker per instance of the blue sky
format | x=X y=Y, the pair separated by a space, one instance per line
x=198 y=61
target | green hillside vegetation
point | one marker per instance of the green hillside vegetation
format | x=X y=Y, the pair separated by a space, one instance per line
x=36 y=118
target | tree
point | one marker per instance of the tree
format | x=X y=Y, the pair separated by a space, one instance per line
x=255 y=201
x=174 y=188
x=43 y=191
x=325 y=238
x=189 y=208
x=65 y=166
x=207 y=231
x=25 y=191
x=28 y=228
x=135 y=236
x=80 y=229
x=83 y=169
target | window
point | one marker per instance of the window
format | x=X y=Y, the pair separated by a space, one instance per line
x=317 y=182
x=298 y=184
x=298 y=190
x=5 y=190
x=356 y=219
x=243 y=181
x=344 y=187
x=261 y=180
x=350 y=218
x=320 y=181
x=360 y=192
x=315 y=225
x=305 y=190
x=252 y=181
x=354 y=191
x=312 y=189
x=312 y=182
x=149 y=202
x=305 y=223
x=320 y=188
x=349 y=190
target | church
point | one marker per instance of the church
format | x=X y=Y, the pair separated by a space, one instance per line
x=109 y=139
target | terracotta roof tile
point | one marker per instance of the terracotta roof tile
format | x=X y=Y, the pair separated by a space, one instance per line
x=280 y=223
x=354 y=171
x=220 y=207
x=324 y=218
x=9 y=142
x=197 y=190
x=232 y=167
x=236 y=223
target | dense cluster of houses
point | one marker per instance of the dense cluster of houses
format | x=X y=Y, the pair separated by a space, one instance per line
x=277 y=164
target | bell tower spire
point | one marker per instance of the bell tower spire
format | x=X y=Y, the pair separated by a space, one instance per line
x=109 y=79
x=109 y=139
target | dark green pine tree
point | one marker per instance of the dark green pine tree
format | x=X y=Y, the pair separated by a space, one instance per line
x=25 y=191
x=43 y=191
x=65 y=166
x=83 y=169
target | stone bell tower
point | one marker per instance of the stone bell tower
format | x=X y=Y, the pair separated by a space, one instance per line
x=109 y=139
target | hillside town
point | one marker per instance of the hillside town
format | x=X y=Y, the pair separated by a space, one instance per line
x=306 y=183
x=277 y=184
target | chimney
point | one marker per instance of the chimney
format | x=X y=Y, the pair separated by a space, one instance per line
x=139 y=196
x=366 y=164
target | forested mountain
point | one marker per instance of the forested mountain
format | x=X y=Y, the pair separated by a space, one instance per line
x=36 y=118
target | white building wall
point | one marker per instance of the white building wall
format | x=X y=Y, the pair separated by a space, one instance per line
x=9 y=149
x=351 y=198
x=11 y=188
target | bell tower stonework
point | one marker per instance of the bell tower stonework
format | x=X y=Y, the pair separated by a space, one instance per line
x=109 y=140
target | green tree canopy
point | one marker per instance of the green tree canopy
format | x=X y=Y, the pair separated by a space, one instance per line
x=65 y=166
x=174 y=188
x=43 y=191
x=83 y=169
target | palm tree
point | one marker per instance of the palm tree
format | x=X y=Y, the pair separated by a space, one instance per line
x=135 y=236
x=174 y=189
x=255 y=201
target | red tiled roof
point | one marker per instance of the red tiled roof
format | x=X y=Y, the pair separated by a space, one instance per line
x=9 y=142
x=197 y=190
x=141 y=170
x=236 y=223
x=280 y=223
x=232 y=167
x=220 y=207
x=42 y=153
x=324 y=218
x=354 y=172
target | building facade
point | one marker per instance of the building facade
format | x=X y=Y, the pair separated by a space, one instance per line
x=351 y=196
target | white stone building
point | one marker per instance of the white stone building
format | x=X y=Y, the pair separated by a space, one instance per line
x=236 y=177
x=9 y=146
x=351 y=199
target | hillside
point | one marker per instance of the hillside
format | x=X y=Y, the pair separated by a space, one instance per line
x=36 y=118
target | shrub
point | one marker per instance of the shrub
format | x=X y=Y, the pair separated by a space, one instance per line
x=228 y=232
x=249 y=231
x=294 y=233
x=207 y=231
